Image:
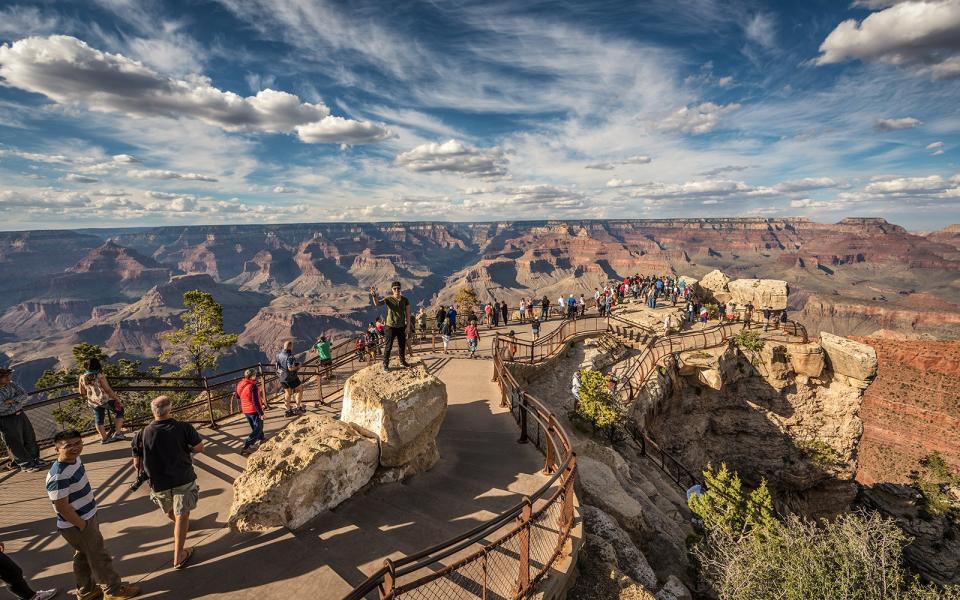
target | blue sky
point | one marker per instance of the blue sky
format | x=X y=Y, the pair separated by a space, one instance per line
x=119 y=112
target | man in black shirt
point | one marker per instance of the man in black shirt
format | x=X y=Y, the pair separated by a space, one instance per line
x=398 y=315
x=165 y=451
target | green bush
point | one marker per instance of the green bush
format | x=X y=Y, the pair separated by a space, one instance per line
x=746 y=554
x=748 y=340
x=932 y=480
x=819 y=453
x=597 y=404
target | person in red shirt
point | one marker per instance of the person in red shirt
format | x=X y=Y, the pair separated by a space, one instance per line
x=252 y=409
x=473 y=338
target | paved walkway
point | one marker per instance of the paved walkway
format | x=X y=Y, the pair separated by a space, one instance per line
x=482 y=471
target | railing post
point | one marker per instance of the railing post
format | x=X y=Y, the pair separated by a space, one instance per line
x=523 y=577
x=389 y=581
x=206 y=388
x=532 y=344
x=263 y=387
x=523 y=418
x=549 y=459
x=320 y=385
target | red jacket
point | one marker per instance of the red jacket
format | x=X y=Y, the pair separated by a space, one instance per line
x=249 y=396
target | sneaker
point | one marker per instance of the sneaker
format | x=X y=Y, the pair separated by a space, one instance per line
x=246 y=451
x=44 y=595
x=124 y=591
x=31 y=468
x=302 y=410
x=405 y=365
x=95 y=594
x=120 y=436
x=289 y=413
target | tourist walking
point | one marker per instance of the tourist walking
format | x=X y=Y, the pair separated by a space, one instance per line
x=487 y=312
x=473 y=338
x=523 y=310
x=287 y=367
x=446 y=332
x=495 y=313
x=571 y=307
x=323 y=349
x=422 y=322
x=535 y=328
x=79 y=524
x=166 y=455
x=441 y=316
x=582 y=305
x=252 y=409
x=398 y=315
x=12 y=575
x=15 y=428
x=504 y=311
x=92 y=386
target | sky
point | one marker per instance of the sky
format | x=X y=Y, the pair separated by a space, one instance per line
x=146 y=113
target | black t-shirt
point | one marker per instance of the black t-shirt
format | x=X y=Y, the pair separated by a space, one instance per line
x=166 y=453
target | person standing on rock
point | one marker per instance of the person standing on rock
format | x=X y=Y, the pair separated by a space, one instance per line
x=15 y=428
x=398 y=315
x=287 y=367
x=79 y=524
x=166 y=455
x=252 y=409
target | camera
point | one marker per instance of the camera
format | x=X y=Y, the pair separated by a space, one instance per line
x=141 y=477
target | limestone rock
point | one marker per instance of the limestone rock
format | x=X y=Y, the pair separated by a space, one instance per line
x=713 y=367
x=597 y=485
x=776 y=367
x=626 y=554
x=312 y=465
x=403 y=408
x=854 y=362
x=806 y=359
x=762 y=293
x=674 y=589
x=714 y=284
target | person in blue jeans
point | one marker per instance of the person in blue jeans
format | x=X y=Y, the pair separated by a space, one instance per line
x=252 y=409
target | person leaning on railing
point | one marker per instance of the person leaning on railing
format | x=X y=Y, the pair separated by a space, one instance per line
x=15 y=428
x=92 y=386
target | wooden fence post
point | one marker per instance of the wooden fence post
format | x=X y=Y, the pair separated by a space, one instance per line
x=523 y=577
x=206 y=388
x=389 y=581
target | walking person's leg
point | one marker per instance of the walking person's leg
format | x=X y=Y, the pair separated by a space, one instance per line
x=252 y=421
x=401 y=334
x=12 y=575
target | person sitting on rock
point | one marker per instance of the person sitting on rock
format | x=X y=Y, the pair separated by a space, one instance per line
x=398 y=315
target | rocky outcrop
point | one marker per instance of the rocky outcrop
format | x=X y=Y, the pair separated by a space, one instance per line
x=763 y=294
x=807 y=360
x=404 y=409
x=711 y=367
x=853 y=362
x=312 y=465
x=715 y=284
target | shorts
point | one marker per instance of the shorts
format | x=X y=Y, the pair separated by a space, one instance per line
x=472 y=344
x=326 y=362
x=180 y=499
x=100 y=412
x=292 y=382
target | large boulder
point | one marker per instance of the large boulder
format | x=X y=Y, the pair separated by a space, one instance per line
x=403 y=408
x=764 y=294
x=713 y=286
x=312 y=465
x=806 y=359
x=852 y=362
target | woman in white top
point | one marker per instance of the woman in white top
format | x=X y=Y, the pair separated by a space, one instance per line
x=94 y=388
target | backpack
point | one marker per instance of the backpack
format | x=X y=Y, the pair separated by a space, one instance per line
x=95 y=395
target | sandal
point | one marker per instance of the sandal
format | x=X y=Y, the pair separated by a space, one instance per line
x=183 y=563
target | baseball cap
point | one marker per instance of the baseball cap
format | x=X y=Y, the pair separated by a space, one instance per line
x=5 y=371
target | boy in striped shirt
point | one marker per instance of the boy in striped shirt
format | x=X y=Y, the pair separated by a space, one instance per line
x=76 y=508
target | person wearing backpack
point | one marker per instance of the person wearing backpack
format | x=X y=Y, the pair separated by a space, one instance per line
x=94 y=388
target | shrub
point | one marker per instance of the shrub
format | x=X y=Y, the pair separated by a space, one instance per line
x=724 y=508
x=597 y=404
x=748 y=340
x=932 y=480
x=819 y=453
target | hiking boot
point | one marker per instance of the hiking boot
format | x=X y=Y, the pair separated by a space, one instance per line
x=124 y=591
x=95 y=594
x=289 y=413
x=246 y=451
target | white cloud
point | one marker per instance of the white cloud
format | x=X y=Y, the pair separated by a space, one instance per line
x=18 y=21
x=804 y=184
x=638 y=159
x=125 y=159
x=907 y=185
x=696 y=119
x=165 y=174
x=937 y=153
x=922 y=35
x=75 y=178
x=337 y=130
x=895 y=124
x=762 y=29
x=284 y=190
x=725 y=81
x=455 y=157
x=70 y=72
x=811 y=203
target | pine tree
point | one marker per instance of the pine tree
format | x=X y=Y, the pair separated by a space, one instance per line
x=195 y=345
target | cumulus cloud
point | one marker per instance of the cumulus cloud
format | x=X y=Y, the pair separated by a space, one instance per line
x=284 y=190
x=164 y=174
x=125 y=159
x=907 y=185
x=75 y=178
x=696 y=119
x=638 y=159
x=804 y=184
x=68 y=71
x=922 y=35
x=454 y=156
x=337 y=130
x=895 y=124
x=811 y=203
